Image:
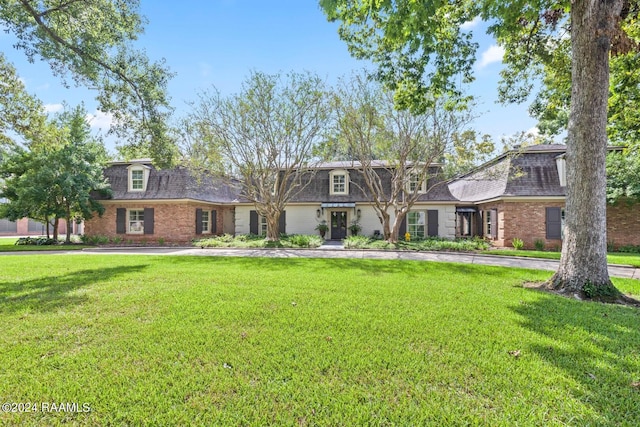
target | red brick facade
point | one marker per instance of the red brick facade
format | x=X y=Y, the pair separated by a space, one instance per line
x=527 y=221
x=174 y=222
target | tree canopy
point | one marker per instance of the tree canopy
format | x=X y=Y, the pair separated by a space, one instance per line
x=422 y=50
x=90 y=42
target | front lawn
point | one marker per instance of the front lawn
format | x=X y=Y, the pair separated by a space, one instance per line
x=261 y=341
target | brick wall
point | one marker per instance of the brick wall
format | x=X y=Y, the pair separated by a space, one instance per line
x=623 y=224
x=173 y=222
x=527 y=221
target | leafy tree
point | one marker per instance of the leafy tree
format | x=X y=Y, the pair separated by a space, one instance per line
x=267 y=133
x=396 y=152
x=421 y=50
x=54 y=177
x=21 y=114
x=89 y=41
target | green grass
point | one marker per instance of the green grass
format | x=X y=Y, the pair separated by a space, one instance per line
x=261 y=341
x=7 y=244
x=612 y=257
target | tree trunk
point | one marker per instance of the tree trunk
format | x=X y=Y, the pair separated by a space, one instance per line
x=56 y=221
x=273 y=227
x=69 y=226
x=583 y=264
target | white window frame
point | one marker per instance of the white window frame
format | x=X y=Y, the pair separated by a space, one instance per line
x=414 y=228
x=136 y=169
x=332 y=184
x=131 y=220
x=206 y=216
x=413 y=180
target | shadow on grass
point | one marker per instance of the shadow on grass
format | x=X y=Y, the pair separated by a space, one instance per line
x=594 y=344
x=53 y=292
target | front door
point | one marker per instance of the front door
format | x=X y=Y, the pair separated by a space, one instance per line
x=338 y=225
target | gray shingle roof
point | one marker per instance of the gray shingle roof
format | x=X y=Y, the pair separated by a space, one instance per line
x=526 y=173
x=168 y=184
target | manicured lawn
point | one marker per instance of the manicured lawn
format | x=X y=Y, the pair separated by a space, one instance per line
x=612 y=257
x=262 y=341
x=7 y=244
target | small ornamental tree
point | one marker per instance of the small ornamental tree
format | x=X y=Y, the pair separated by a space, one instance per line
x=267 y=133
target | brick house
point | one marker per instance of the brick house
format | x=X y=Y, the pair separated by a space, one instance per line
x=521 y=194
x=171 y=205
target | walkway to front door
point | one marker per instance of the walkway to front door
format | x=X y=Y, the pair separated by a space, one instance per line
x=338 y=225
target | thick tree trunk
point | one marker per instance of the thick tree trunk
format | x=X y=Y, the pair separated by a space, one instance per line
x=583 y=264
x=56 y=222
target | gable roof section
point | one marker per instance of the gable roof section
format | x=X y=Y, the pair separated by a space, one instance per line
x=170 y=184
x=531 y=172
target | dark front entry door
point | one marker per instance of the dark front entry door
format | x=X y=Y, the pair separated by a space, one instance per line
x=338 y=225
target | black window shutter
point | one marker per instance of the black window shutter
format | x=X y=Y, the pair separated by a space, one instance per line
x=432 y=223
x=494 y=223
x=282 y=225
x=554 y=223
x=403 y=228
x=253 y=222
x=148 y=220
x=198 y=221
x=214 y=223
x=121 y=220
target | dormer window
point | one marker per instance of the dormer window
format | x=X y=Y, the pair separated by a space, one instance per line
x=138 y=177
x=415 y=186
x=339 y=182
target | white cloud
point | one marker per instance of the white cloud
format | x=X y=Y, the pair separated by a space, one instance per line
x=471 y=24
x=99 y=120
x=491 y=55
x=53 y=108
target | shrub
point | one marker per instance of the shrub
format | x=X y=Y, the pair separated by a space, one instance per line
x=36 y=241
x=517 y=243
x=629 y=249
x=539 y=244
x=357 y=242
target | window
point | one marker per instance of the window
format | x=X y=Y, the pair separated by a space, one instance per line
x=205 y=221
x=339 y=182
x=415 y=185
x=416 y=221
x=138 y=177
x=136 y=221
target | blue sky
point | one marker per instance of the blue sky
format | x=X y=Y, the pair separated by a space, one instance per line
x=218 y=42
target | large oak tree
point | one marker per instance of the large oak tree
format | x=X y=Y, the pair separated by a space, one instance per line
x=422 y=50
x=90 y=42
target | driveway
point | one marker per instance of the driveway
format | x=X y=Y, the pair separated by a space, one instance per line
x=339 y=252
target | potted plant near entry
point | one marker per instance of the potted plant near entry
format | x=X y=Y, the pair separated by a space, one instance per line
x=355 y=227
x=322 y=228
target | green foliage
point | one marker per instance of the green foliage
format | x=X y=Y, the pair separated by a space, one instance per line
x=429 y=244
x=539 y=244
x=253 y=241
x=37 y=241
x=601 y=292
x=96 y=51
x=634 y=249
x=55 y=176
x=623 y=176
x=517 y=243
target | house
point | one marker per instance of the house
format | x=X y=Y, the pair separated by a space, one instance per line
x=335 y=195
x=172 y=205
x=521 y=194
x=30 y=227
